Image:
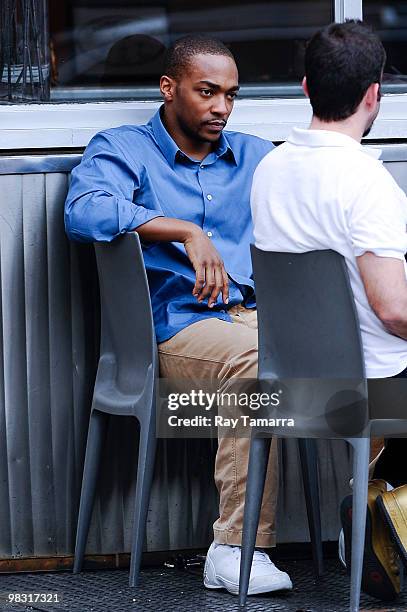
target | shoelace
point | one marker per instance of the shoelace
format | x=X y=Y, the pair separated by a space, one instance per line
x=259 y=555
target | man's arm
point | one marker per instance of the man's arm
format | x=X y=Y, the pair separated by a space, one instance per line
x=211 y=276
x=100 y=206
x=385 y=284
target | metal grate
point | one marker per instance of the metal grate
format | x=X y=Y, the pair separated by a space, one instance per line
x=173 y=590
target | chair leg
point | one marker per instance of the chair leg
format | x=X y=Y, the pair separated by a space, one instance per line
x=96 y=437
x=309 y=466
x=145 y=471
x=256 y=477
x=361 y=448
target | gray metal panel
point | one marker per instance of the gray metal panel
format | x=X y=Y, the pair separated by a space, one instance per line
x=49 y=329
x=31 y=164
x=49 y=323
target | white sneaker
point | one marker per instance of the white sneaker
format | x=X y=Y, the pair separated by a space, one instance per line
x=222 y=568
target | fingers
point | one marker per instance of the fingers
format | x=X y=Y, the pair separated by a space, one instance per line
x=215 y=282
x=225 y=286
x=199 y=281
x=209 y=283
x=217 y=288
x=211 y=278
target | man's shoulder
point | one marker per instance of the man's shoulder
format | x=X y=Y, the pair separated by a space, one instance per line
x=123 y=140
x=249 y=142
x=343 y=162
x=364 y=167
x=125 y=132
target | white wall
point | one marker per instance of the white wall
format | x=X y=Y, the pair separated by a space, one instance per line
x=72 y=125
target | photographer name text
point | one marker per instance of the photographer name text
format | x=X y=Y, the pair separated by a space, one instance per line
x=220 y=421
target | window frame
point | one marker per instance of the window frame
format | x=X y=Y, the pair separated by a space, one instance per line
x=342 y=10
x=69 y=126
x=348 y=9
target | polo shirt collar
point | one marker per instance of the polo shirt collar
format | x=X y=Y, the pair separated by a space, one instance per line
x=327 y=138
x=170 y=149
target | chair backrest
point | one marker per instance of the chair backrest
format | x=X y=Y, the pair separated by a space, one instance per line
x=308 y=325
x=128 y=352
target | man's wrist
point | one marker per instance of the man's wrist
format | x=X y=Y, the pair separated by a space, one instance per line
x=191 y=231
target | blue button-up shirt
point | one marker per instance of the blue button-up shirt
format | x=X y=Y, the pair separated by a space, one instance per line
x=131 y=174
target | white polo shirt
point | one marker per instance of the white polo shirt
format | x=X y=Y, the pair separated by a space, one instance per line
x=323 y=190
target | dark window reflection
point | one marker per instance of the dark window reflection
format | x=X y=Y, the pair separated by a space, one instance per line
x=122 y=43
x=389 y=20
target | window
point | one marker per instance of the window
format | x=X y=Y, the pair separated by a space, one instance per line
x=107 y=45
x=389 y=20
x=114 y=49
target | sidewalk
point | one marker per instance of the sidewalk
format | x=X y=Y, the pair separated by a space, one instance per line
x=174 y=590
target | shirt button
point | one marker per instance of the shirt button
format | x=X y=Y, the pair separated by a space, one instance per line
x=209 y=197
x=209 y=234
x=202 y=167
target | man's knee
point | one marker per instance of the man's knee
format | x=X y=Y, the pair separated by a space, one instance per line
x=244 y=364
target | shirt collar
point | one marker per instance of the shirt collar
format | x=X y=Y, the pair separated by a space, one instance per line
x=170 y=149
x=327 y=138
x=224 y=148
x=168 y=146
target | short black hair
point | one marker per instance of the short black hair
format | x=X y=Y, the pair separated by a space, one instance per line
x=341 y=61
x=180 y=53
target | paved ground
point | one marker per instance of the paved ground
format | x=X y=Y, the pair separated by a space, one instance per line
x=176 y=590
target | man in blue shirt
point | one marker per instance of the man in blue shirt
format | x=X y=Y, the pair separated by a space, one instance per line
x=184 y=186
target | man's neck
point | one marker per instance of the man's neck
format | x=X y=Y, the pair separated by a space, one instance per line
x=348 y=127
x=194 y=149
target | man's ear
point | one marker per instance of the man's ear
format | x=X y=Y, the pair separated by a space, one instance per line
x=372 y=95
x=305 y=86
x=167 y=88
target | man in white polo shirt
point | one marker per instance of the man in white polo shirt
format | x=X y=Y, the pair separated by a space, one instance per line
x=322 y=190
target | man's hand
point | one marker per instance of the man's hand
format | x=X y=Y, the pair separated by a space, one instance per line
x=211 y=276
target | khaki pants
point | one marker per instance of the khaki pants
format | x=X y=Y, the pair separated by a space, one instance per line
x=213 y=349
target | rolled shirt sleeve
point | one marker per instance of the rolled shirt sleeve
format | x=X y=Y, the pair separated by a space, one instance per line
x=100 y=203
x=378 y=218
